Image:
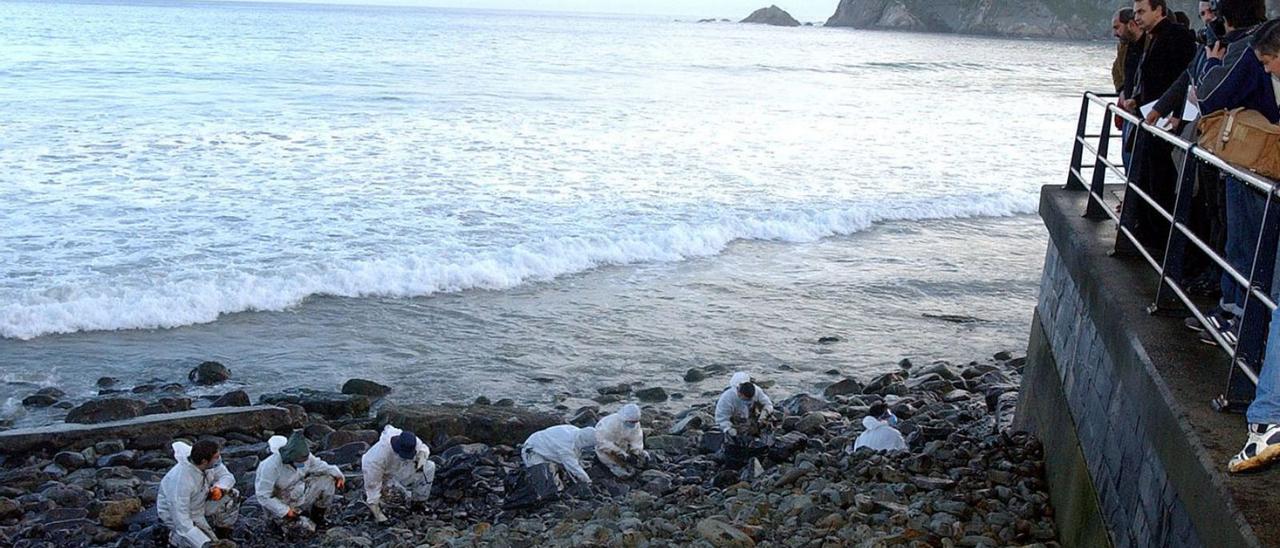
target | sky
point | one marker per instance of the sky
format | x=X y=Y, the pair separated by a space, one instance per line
x=804 y=10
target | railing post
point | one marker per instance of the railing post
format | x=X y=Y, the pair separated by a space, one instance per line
x=1176 y=245
x=1129 y=209
x=1077 y=152
x=1253 y=323
x=1096 y=209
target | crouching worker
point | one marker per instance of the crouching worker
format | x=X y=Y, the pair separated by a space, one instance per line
x=197 y=495
x=882 y=433
x=743 y=408
x=293 y=482
x=620 y=442
x=398 y=461
x=562 y=445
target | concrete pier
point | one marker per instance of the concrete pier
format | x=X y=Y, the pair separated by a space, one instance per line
x=1120 y=398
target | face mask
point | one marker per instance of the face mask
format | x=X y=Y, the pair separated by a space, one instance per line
x=300 y=465
x=216 y=463
x=631 y=424
x=893 y=419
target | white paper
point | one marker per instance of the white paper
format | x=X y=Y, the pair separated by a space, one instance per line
x=1164 y=123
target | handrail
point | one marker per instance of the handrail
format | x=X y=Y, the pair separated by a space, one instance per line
x=1247 y=349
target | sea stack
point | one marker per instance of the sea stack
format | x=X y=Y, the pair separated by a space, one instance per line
x=772 y=15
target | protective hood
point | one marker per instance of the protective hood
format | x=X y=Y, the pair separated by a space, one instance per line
x=629 y=412
x=871 y=423
x=181 y=451
x=276 y=442
x=739 y=378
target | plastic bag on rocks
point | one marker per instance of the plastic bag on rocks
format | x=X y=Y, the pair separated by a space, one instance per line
x=533 y=486
x=739 y=450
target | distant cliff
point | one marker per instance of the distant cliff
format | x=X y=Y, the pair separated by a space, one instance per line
x=1031 y=18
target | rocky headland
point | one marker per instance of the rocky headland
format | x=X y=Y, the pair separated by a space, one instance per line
x=968 y=479
x=1068 y=19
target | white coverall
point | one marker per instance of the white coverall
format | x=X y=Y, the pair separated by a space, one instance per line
x=183 y=503
x=731 y=406
x=280 y=486
x=616 y=439
x=880 y=436
x=384 y=469
x=560 y=444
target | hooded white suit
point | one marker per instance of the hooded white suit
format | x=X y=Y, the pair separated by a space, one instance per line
x=880 y=436
x=616 y=439
x=280 y=486
x=183 y=503
x=383 y=468
x=562 y=445
x=730 y=406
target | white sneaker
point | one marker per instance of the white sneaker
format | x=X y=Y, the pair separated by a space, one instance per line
x=1262 y=448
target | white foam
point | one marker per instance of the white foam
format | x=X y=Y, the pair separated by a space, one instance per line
x=201 y=300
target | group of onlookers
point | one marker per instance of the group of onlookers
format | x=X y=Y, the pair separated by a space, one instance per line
x=1172 y=77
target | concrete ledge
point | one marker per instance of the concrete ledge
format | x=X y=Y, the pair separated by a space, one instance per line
x=250 y=420
x=1148 y=378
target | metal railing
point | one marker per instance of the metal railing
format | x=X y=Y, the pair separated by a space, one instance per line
x=1247 y=350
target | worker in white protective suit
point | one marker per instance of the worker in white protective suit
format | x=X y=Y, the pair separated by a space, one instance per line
x=563 y=445
x=620 y=441
x=398 y=461
x=196 y=495
x=292 y=482
x=881 y=433
x=740 y=403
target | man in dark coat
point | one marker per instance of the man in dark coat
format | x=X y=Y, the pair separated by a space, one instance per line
x=1169 y=51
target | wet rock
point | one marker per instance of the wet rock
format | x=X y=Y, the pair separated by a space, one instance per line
x=585 y=416
x=339 y=438
x=332 y=405
x=723 y=535
x=843 y=388
x=813 y=423
x=45 y=397
x=956 y=395
x=68 y=496
x=652 y=395
x=787 y=445
x=672 y=444
x=9 y=509
x=123 y=458
x=505 y=402
x=107 y=447
x=1003 y=356
x=617 y=390
x=167 y=405
x=941 y=369
x=695 y=375
x=695 y=421
x=209 y=373
x=484 y=424
x=237 y=398
x=346 y=454
x=364 y=387
x=115 y=514
x=106 y=410
x=828 y=340
x=107 y=382
x=801 y=405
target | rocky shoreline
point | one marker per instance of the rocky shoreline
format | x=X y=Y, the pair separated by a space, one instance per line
x=967 y=480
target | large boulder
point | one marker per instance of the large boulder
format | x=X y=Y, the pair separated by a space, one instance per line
x=1032 y=18
x=106 y=410
x=44 y=397
x=209 y=373
x=365 y=388
x=480 y=423
x=843 y=388
x=236 y=398
x=332 y=405
x=195 y=423
x=772 y=15
x=115 y=514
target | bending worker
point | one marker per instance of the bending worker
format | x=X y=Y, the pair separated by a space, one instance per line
x=398 y=461
x=620 y=441
x=881 y=434
x=196 y=495
x=741 y=403
x=563 y=445
x=292 y=482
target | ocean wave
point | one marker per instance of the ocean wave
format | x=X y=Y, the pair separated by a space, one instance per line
x=195 y=301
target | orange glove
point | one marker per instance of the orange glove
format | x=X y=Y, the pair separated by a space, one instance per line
x=291 y=514
x=215 y=494
x=342 y=482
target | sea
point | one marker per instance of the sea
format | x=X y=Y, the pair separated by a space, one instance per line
x=465 y=203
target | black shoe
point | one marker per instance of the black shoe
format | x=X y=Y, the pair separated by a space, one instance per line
x=317 y=516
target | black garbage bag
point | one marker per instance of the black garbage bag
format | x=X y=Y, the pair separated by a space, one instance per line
x=739 y=450
x=533 y=486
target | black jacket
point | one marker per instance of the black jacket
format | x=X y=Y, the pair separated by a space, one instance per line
x=1169 y=52
x=1132 y=58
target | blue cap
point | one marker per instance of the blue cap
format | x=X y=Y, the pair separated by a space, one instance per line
x=405 y=445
